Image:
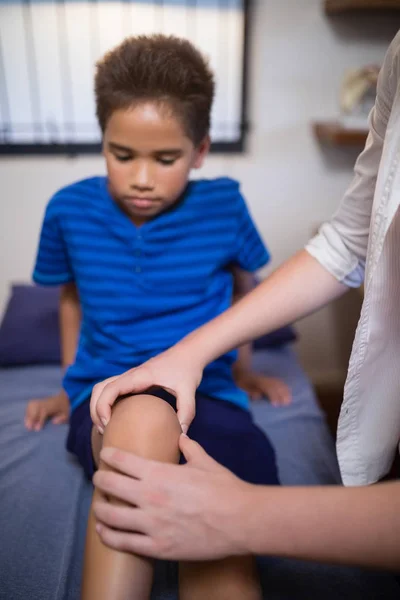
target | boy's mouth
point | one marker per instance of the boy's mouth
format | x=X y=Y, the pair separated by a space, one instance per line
x=141 y=203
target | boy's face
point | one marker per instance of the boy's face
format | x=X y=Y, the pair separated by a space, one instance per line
x=149 y=158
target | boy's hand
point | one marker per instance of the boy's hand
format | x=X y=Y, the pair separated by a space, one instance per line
x=172 y=370
x=54 y=407
x=259 y=386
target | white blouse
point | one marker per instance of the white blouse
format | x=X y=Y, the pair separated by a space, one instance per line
x=362 y=240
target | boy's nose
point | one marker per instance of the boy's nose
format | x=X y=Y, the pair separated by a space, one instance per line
x=140 y=187
x=142 y=178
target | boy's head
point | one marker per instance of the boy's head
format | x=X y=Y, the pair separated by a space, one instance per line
x=154 y=96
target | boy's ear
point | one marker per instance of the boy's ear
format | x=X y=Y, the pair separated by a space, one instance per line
x=201 y=152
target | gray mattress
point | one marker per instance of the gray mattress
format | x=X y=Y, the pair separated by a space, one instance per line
x=44 y=498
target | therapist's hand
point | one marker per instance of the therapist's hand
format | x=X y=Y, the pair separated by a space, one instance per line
x=174 y=370
x=186 y=512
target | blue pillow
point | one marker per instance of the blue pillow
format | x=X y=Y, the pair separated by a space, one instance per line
x=29 y=332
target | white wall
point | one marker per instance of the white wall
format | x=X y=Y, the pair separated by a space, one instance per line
x=297 y=61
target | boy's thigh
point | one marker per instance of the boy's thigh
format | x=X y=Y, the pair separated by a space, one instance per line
x=79 y=440
x=228 y=433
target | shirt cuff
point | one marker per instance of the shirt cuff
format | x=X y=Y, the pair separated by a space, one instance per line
x=47 y=279
x=345 y=267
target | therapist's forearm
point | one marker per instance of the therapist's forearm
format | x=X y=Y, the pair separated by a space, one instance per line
x=243 y=284
x=359 y=526
x=298 y=288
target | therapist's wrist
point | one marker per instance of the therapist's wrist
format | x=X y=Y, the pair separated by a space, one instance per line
x=192 y=350
x=244 y=522
x=261 y=511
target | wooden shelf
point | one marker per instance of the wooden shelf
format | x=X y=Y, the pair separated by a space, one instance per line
x=334 y=7
x=332 y=133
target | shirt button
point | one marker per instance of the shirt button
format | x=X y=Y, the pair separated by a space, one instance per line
x=138 y=253
x=138 y=270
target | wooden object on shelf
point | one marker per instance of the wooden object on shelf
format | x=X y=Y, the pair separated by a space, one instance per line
x=333 y=7
x=331 y=132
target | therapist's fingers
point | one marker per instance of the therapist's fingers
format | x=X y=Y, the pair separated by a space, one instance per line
x=196 y=456
x=135 y=380
x=126 y=462
x=118 y=486
x=126 y=518
x=135 y=543
x=186 y=407
x=96 y=393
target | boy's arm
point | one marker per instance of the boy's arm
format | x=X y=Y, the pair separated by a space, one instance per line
x=70 y=322
x=256 y=385
x=57 y=407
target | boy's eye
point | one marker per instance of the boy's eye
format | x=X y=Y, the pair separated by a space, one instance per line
x=123 y=157
x=166 y=161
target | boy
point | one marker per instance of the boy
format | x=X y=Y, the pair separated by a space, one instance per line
x=146 y=256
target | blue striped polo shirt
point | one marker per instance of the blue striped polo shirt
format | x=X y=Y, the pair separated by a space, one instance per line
x=142 y=289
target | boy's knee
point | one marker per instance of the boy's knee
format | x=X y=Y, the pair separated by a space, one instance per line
x=145 y=411
x=146 y=425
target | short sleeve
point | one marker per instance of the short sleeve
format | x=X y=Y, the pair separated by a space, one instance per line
x=250 y=251
x=52 y=265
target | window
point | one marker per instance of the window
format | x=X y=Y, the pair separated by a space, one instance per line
x=48 y=49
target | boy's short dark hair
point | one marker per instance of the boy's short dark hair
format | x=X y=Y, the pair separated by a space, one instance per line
x=160 y=68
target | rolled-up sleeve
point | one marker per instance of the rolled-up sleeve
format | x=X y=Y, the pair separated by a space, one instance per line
x=341 y=244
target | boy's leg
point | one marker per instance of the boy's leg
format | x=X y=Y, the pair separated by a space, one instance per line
x=149 y=427
x=242 y=448
x=229 y=579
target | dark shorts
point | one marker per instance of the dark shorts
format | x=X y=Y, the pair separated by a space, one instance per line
x=227 y=432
